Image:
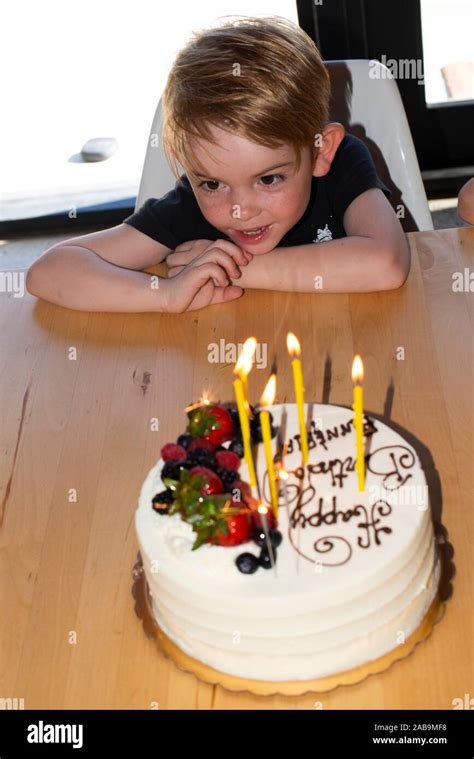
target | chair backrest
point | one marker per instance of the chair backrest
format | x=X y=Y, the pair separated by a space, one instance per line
x=366 y=100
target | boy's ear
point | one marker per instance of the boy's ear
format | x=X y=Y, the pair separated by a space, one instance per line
x=331 y=137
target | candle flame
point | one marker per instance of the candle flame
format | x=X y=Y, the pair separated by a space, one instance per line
x=243 y=365
x=357 y=369
x=249 y=347
x=268 y=395
x=262 y=509
x=204 y=401
x=293 y=345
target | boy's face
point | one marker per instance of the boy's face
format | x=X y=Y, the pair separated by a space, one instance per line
x=250 y=187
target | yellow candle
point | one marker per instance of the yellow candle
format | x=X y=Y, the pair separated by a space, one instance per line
x=242 y=408
x=294 y=351
x=357 y=378
x=245 y=362
x=266 y=400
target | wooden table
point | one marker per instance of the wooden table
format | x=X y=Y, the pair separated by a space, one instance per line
x=78 y=392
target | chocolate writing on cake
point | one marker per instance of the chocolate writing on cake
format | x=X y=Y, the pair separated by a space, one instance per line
x=308 y=511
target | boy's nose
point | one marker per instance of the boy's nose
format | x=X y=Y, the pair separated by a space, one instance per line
x=244 y=211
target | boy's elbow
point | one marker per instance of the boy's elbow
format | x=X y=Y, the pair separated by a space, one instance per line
x=34 y=280
x=397 y=267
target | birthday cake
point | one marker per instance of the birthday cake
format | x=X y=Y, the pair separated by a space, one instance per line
x=334 y=579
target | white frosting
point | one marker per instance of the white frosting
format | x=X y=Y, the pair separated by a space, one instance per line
x=353 y=591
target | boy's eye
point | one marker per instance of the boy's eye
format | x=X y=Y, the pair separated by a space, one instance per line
x=280 y=177
x=210 y=182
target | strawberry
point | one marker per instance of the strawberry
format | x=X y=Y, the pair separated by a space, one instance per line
x=213 y=486
x=228 y=460
x=239 y=528
x=212 y=423
x=173 y=452
x=244 y=487
x=257 y=520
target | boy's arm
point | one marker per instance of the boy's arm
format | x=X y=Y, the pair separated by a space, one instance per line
x=374 y=255
x=466 y=202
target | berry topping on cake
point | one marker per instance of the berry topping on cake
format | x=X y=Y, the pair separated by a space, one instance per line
x=162 y=501
x=212 y=484
x=214 y=517
x=228 y=460
x=265 y=560
x=244 y=488
x=258 y=536
x=247 y=563
x=237 y=447
x=228 y=477
x=184 y=440
x=201 y=444
x=257 y=520
x=212 y=423
x=173 y=452
x=172 y=469
x=238 y=527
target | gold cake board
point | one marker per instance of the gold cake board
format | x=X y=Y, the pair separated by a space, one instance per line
x=183 y=661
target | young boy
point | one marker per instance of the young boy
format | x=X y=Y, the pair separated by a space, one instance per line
x=274 y=195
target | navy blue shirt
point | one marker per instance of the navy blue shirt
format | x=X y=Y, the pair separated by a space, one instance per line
x=176 y=217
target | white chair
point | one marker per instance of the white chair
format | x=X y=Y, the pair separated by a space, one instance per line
x=366 y=100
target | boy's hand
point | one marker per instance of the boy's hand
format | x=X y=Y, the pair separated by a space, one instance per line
x=189 y=251
x=204 y=281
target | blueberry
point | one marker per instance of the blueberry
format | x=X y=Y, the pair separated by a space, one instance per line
x=264 y=558
x=247 y=563
x=184 y=440
x=237 y=447
x=275 y=536
x=162 y=501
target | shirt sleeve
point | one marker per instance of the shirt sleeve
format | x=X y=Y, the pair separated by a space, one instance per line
x=173 y=219
x=352 y=173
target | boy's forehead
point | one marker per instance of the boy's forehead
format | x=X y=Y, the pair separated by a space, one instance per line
x=233 y=156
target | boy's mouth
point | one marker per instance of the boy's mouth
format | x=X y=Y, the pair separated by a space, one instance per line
x=253 y=235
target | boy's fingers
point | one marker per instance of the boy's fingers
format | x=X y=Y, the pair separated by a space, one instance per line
x=199 y=275
x=224 y=294
x=239 y=255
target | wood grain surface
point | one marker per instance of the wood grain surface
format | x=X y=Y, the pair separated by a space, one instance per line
x=78 y=393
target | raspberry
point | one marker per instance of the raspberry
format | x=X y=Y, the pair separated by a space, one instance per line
x=173 y=452
x=228 y=460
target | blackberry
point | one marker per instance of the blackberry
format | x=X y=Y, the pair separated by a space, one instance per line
x=247 y=563
x=162 y=501
x=184 y=440
x=234 y=414
x=202 y=457
x=237 y=446
x=264 y=558
x=172 y=470
x=228 y=476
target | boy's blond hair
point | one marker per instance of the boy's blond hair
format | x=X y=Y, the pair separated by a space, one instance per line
x=260 y=77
